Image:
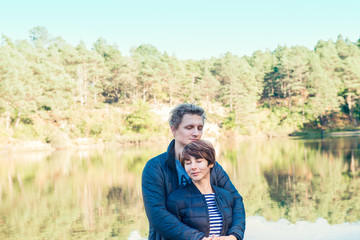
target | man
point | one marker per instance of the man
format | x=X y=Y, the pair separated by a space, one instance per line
x=164 y=173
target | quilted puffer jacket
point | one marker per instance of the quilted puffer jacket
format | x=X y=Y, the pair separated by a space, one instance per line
x=189 y=205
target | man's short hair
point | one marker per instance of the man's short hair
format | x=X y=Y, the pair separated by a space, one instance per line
x=198 y=149
x=178 y=112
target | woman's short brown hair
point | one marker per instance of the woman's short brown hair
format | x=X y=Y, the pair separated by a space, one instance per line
x=198 y=149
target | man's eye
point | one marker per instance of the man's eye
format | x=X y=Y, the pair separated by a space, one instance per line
x=200 y=128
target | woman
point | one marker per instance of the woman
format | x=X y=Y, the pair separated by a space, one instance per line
x=201 y=205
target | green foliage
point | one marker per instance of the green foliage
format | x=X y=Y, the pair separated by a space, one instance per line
x=229 y=122
x=58 y=139
x=140 y=119
x=96 y=129
x=26 y=132
x=49 y=75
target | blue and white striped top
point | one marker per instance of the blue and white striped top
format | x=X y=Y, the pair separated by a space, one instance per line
x=215 y=217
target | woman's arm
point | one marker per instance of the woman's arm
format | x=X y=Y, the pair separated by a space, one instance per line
x=221 y=179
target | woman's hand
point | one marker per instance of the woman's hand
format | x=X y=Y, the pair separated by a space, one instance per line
x=231 y=237
x=208 y=238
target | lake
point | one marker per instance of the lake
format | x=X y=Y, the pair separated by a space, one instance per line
x=292 y=189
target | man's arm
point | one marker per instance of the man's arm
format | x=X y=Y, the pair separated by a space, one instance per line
x=165 y=223
x=238 y=218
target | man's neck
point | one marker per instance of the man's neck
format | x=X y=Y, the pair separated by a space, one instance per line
x=178 y=150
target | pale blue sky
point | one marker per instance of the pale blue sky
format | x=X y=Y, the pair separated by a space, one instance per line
x=195 y=29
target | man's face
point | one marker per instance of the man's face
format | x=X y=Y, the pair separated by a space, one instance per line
x=190 y=129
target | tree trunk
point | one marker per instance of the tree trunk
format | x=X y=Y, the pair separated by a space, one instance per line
x=80 y=84
x=18 y=119
x=7 y=121
x=85 y=83
x=349 y=102
x=116 y=95
x=289 y=99
x=303 y=108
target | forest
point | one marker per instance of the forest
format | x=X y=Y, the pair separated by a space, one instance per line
x=52 y=91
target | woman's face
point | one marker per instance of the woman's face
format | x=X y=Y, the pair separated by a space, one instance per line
x=198 y=169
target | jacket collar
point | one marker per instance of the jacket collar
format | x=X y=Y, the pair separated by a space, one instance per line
x=194 y=189
x=170 y=160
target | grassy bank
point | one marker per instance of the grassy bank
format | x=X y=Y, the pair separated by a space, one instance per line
x=142 y=123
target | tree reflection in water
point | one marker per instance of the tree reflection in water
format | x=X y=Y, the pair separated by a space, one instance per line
x=96 y=194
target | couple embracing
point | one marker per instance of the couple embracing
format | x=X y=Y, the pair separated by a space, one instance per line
x=186 y=193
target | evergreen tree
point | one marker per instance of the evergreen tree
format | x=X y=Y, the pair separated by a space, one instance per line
x=323 y=93
x=239 y=86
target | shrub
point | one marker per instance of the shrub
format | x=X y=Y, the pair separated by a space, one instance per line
x=140 y=119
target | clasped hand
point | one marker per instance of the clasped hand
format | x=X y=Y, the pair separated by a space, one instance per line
x=231 y=237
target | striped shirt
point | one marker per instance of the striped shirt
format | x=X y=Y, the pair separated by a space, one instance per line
x=215 y=217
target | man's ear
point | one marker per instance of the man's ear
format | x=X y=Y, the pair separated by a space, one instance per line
x=211 y=165
x=172 y=129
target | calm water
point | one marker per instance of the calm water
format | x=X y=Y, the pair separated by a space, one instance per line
x=292 y=189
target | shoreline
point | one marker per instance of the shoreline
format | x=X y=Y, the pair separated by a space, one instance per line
x=22 y=146
x=15 y=146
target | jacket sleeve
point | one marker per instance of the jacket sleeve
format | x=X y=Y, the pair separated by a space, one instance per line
x=238 y=213
x=165 y=223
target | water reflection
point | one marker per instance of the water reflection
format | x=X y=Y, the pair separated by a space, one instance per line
x=96 y=194
x=284 y=230
x=297 y=179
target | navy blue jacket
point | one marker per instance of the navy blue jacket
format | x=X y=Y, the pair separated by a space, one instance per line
x=160 y=178
x=189 y=205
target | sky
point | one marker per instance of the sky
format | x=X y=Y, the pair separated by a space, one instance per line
x=187 y=29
